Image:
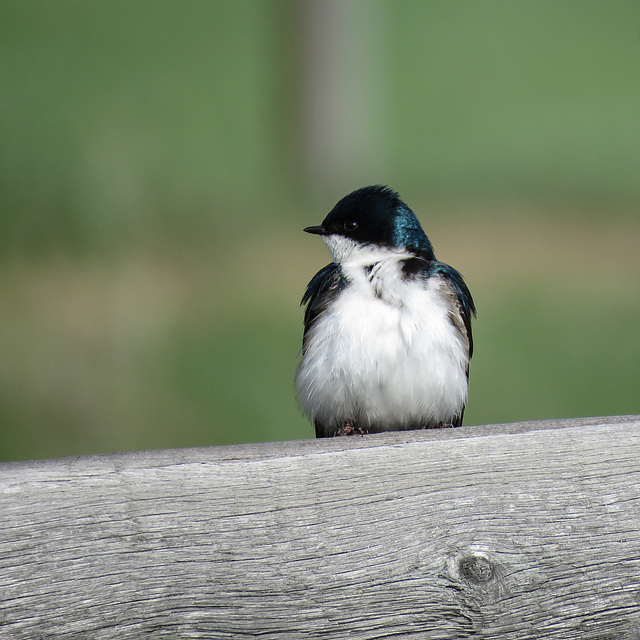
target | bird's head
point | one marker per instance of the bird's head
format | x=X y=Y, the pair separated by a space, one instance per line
x=369 y=222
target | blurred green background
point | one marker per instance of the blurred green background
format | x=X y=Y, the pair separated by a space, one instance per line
x=160 y=158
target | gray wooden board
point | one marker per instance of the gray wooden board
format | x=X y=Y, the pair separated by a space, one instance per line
x=516 y=531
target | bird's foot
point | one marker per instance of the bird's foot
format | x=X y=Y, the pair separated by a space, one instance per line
x=350 y=430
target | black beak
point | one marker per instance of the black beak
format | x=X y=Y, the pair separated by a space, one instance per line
x=318 y=230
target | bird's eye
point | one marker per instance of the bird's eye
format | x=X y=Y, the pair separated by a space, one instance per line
x=350 y=225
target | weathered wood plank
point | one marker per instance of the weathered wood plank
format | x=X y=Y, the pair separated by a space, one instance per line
x=510 y=531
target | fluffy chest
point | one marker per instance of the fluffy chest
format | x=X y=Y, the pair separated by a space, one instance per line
x=385 y=353
x=382 y=314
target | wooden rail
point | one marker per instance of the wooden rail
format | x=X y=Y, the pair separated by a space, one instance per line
x=519 y=531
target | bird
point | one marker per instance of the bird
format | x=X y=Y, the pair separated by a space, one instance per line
x=387 y=328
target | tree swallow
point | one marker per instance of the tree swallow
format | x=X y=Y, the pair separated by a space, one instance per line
x=387 y=328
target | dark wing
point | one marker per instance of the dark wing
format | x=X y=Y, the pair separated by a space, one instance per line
x=322 y=289
x=458 y=291
x=461 y=295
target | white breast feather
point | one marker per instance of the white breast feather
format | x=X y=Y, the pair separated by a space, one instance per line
x=387 y=354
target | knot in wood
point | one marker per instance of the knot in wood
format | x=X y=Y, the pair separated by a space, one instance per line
x=476 y=567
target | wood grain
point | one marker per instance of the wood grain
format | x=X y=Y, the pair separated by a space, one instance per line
x=518 y=531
